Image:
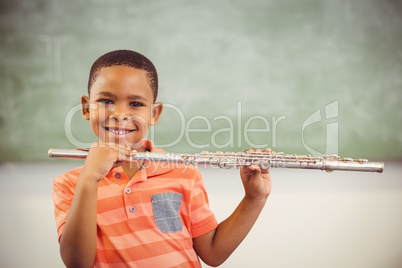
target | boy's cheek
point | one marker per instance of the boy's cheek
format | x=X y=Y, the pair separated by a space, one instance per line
x=99 y=115
x=93 y=106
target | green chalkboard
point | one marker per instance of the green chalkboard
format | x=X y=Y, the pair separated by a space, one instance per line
x=305 y=77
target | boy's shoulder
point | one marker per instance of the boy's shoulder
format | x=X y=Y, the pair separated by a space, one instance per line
x=175 y=168
x=69 y=177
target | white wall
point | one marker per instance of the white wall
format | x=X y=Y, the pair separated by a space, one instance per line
x=312 y=219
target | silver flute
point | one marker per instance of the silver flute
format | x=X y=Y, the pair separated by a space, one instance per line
x=234 y=160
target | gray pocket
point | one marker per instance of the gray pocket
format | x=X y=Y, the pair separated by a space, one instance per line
x=166 y=212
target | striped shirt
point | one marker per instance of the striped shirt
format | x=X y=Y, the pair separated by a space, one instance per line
x=148 y=221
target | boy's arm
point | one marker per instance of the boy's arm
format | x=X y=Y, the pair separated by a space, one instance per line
x=216 y=246
x=78 y=241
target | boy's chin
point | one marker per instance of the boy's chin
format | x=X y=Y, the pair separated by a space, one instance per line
x=133 y=144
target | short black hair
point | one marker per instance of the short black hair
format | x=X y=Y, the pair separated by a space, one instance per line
x=125 y=58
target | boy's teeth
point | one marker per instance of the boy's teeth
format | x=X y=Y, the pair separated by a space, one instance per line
x=119 y=131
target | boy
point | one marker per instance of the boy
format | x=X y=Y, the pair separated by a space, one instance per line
x=116 y=213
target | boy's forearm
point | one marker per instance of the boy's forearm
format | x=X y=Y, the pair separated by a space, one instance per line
x=231 y=232
x=78 y=241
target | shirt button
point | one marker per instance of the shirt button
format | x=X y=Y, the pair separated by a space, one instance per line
x=128 y=190
x=117 y=175
x=132 y=209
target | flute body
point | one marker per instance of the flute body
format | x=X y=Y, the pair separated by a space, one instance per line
x=234 y=160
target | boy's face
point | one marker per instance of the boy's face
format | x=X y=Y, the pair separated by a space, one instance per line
x=120 y=107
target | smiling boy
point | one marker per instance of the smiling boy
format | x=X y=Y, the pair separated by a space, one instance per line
x=116 y=213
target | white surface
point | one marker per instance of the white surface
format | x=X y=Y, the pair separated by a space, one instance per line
x=312 y=219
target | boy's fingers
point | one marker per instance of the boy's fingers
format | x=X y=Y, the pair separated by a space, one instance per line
x=124 y=153
x=253 y=150
x=131 y=154
x=255 y=167
x=267 y=150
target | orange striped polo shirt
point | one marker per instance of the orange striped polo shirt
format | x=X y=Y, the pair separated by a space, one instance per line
x=148 y=221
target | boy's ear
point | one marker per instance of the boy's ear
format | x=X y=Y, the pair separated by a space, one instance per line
x=156 y=112
x=85 y=107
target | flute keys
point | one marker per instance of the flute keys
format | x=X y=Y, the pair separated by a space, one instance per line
x=186 y=160
x=265 y=164
x=226 y=164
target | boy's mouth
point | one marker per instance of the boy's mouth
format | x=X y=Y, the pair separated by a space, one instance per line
x=119 y=131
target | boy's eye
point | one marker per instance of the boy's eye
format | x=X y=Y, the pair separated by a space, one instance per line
x=136 y=104
x=105 y=101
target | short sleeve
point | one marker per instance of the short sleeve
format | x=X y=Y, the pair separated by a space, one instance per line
x=202 y=218
x=63 y=193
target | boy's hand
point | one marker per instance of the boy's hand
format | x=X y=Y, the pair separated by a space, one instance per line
x=102 y=157
x=256 y=181
x=217 y=245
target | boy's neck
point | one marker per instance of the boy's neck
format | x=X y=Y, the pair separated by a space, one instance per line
x=131 y=168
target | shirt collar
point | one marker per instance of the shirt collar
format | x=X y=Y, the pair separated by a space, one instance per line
x=156 y=168
x=150 y=169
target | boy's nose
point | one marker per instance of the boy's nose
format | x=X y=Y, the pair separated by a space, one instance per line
x=119 y=117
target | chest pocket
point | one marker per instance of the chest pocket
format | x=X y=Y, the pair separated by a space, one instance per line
x=166 y=212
